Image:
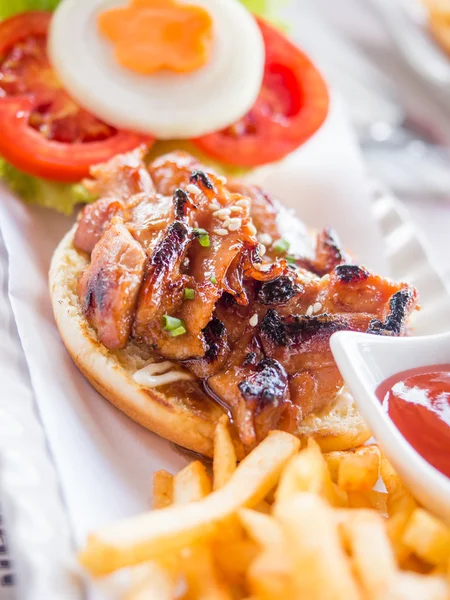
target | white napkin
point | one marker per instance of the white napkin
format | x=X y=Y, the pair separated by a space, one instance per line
x=105 y=460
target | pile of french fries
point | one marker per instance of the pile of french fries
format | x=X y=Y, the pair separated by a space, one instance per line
x=286 y=523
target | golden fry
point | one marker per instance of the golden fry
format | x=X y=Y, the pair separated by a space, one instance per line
x=263 y=529
x=224 y=462
x=191 y=484
x=428 y=538
x=162 y=489
x=153 y=534
x=359 y=470
x=321 y=568
x=269 y=577
x=306 y=472
x=369 y=545
x=412 y=586
x=202 y=578
x=157 y=582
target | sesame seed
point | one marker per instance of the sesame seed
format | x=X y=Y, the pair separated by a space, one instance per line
x=251 y=229
x=226 y=222
x=244 y=203
x=262 y=249
x=221 y=231
x=222 y=213
x=235 y=224
x=265 y=238
x=309 y=311
x=236 y=209
x=253 y=320
x=193 y=189
x=317 y=307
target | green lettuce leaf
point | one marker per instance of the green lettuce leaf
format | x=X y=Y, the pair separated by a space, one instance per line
x=62 y=197
x=12 y=7
x=264 y=8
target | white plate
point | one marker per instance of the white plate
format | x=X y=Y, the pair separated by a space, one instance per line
x=103 y=459
x=37 y=516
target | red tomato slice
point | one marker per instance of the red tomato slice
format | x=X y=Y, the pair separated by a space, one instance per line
x=44 y=132
x=292 y=105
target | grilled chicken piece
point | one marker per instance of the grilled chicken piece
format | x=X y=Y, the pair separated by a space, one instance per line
x=162 y=294
x=328 y=255
x=149 y=219
x=122 y=183
x=94 y=218
x=109 y=287
x=121 y=177
x=263 y=209
x=172 y=171
x=256 y=397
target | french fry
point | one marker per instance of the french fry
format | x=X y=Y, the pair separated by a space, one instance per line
x=157 y=582
x=202 y=578
x=306 y=472
x=389 y=476
x=400 y=506
x=369 y=545
x=269 y=577
x=235 y=558
x=270 y=574
x=191 y=484
x=412 y=586
x=262 y=529
x=224 y=462
x=321 y=569
x=162 y=489
x=359 y=469
x=150 y=535
x=428 y=537
x=358 y=500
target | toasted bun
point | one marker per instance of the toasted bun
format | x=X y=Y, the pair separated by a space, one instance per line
x=180 y=411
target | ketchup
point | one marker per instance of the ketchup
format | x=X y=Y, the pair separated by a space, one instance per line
x=418 y=402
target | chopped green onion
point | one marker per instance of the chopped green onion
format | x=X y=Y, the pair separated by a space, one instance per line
x=189 y=293
x=291 y=260
x=178 y=331
x=172 y=323
x=213 y=279
x=281 y=245
x=203 y=237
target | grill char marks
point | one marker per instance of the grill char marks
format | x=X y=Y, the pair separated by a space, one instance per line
x=167 y=253
x=162 y=294
x=278 y=291
x=401 y=304
x=274 y=328
x=181 y=204
x=267 y=385
x=217 y=350
x=200 y=177
x=351 y=273
x=329 y=254
x=300 y=329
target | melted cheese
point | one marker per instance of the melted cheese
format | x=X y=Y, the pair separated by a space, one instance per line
x=157 y=374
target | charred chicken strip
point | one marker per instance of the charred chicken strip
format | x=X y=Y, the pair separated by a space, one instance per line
x=187 y=266
x=121 y=184
x=109 y=287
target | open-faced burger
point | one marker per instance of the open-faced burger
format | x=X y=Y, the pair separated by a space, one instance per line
x=179 y=296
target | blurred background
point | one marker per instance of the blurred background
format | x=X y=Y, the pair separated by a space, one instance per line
x=394 y=77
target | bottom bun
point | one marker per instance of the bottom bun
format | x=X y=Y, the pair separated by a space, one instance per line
x=180 y=411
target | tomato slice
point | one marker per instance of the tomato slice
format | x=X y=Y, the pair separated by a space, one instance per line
x=292 y=105
x=44 y=132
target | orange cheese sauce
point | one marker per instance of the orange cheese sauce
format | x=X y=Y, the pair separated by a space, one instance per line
x=151 y=35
